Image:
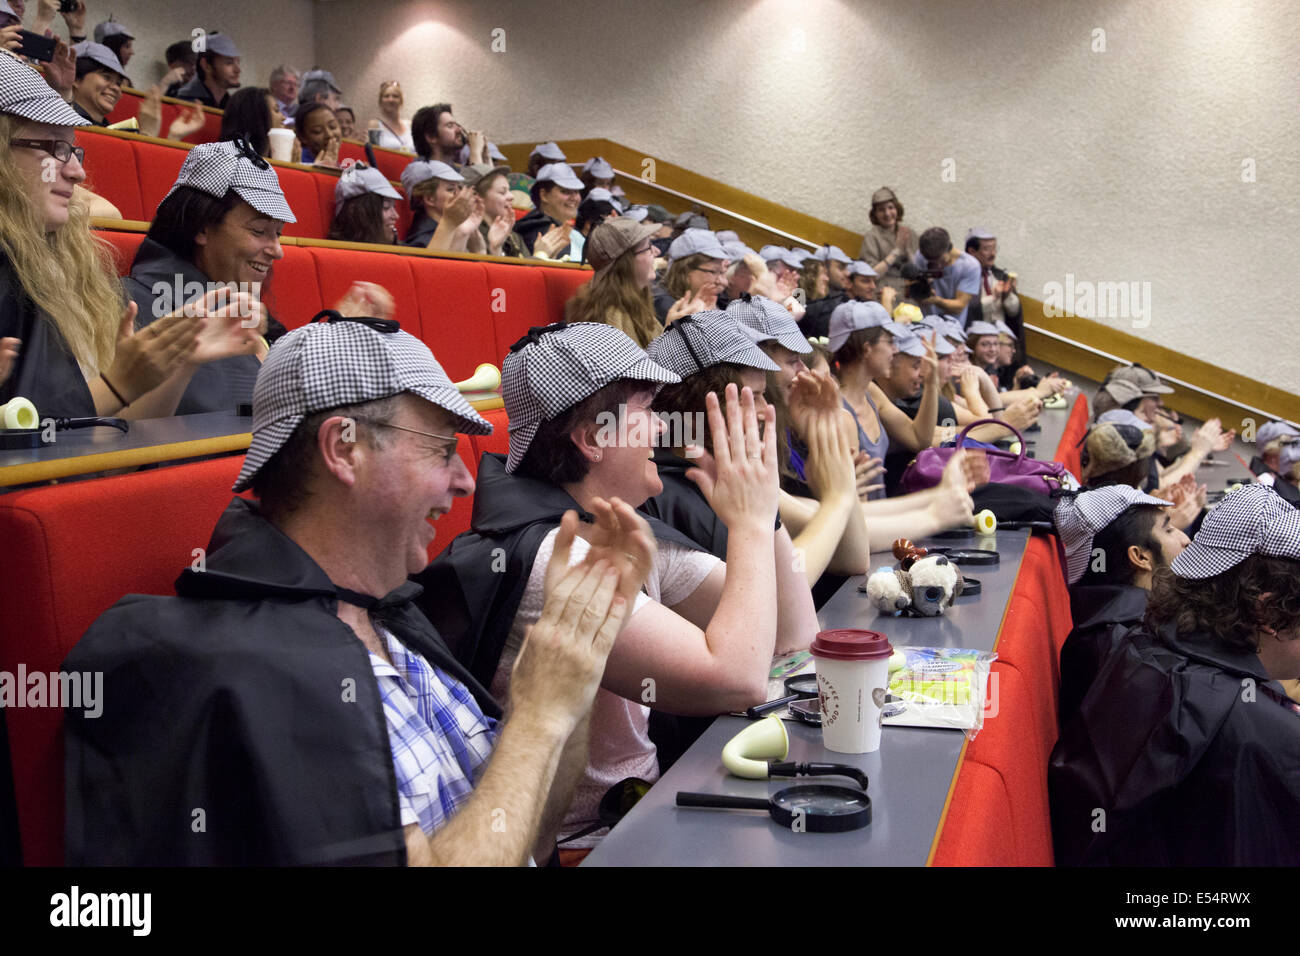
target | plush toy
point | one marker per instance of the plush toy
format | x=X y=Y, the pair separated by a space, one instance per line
x=922 y=584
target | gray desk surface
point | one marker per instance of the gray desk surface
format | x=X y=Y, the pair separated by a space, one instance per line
x=102 y=448
x=910 y=774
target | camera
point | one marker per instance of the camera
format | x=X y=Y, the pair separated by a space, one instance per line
x=918 y=280
x=68 y=6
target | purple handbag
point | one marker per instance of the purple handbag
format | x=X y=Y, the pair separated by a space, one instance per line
x=1044 y=477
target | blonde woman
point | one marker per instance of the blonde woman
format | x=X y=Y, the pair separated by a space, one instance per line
x=69 y=345
x=393 y=132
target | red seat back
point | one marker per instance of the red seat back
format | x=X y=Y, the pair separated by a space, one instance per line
x=337 y=269
x=157 y=166
x=293 y=295
x=141 y=530
x=111 y=172
x=517 y=300
x=303 y=195
x=455 y=313
x=124 y=245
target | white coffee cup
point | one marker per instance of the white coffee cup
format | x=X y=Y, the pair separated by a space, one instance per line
x=281 y=144
x=853 y=680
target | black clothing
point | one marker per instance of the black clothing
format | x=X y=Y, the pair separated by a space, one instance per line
x=1191 y=753
x=663 y=300
x=532 y=225
x=196 y=89
x=245 y=696
x=816 y=321
x=1102 y=614
x=1288 y=491
x=46 y=373
x=216 y=386
x=473 y=588
x=102 y=123
x=683 y=506
x=423 y=227
x=900 y=456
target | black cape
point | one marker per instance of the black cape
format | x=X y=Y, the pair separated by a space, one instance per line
x=248 y=699
x=46 y=373
x=1289 y=492
x=1181 y=755
x=1102 y=614
x=218 y=386
x=473 y=588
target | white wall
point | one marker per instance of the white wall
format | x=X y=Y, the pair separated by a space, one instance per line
x=1122 y=165
x=267 y=33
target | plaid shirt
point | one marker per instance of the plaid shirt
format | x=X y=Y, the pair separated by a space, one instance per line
x=440 y=738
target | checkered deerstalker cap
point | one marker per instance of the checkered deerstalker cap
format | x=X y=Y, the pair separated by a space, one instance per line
x=324 y=365
x=24 y=92
x=704 y=339
x=1253 y=520
x=1081 y=518
x=768 y=320
x=217 y=168
x=555 y=367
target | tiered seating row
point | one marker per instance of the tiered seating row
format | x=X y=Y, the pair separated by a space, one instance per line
x=135 y=173
x=468 y=311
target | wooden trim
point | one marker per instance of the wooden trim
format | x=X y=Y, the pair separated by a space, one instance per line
x=1277 y=402
x=436 y=253
x=112 y=460
x=137 y=137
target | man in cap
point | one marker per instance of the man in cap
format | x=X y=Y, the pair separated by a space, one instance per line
x=544 y=154
x=959 y=278
x=1272 y=439
x=1115 y=539
x=181 y=64
x=1186 y=748
x=217 y=72
x=597 y=173
x=117 y=38
x=318 y=86
x=556 y=194
x=579 y=401
x=998 y=301
x=294 y=661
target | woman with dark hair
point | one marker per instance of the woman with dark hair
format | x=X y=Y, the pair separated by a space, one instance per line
x=888 y=244
x=251 y=113
x=705 y=630
x=556 y=193
x=1187 y=743
x=619 y=293
x=318 y=132
x=99 y=82
x=66 y=343
x=365 y=207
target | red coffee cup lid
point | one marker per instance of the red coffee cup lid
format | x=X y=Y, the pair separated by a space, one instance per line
x=851 y=644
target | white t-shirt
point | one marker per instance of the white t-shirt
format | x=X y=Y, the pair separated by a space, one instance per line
x=620 y=740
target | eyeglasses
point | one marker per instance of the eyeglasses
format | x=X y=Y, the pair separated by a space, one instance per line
x=60 y=149
x=448 y=451
x=716 y=273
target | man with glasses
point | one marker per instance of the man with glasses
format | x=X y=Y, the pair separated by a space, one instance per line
x=291 y=705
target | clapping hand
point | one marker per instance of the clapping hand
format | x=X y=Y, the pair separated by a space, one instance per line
x=191 y=120
x=499 y=231
x=745 y=484
x=688 y=304
x=367 y=300
x=552 y=242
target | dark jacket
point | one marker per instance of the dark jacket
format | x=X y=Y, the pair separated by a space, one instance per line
x=683 y=506
x=1288 y=491
x=423 y=227
x=816 y=321
x=473 y=588
x=196 y=89
x=1183 y=753
x=216 y=386
x=245 y=697
x=532 y=225
x=663 y=300
x=1102 y=614
x=103 y=123
x=45 y=373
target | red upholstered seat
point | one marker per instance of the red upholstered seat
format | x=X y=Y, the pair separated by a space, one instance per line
x=293 y=295
x=72 y=550
x=157 y=166
x=518 y=302
x=975 y=832
x=499 y=440
x=560 y=286
x=129 y=105
x=303 y=195
x=124 y=246
x=337 y=269
x=455 y=313
x=111 y=173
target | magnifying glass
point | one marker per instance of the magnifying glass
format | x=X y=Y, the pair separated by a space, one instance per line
x=964 y=556
x=797 y=687
x=817 y=808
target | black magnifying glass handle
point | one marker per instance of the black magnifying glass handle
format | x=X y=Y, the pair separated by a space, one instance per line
x=720 y=801
x=758 y=710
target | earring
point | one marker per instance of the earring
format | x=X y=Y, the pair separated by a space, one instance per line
x=596 y=457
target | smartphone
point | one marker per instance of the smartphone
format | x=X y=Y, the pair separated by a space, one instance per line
x=36 y=47
x=68 y=6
